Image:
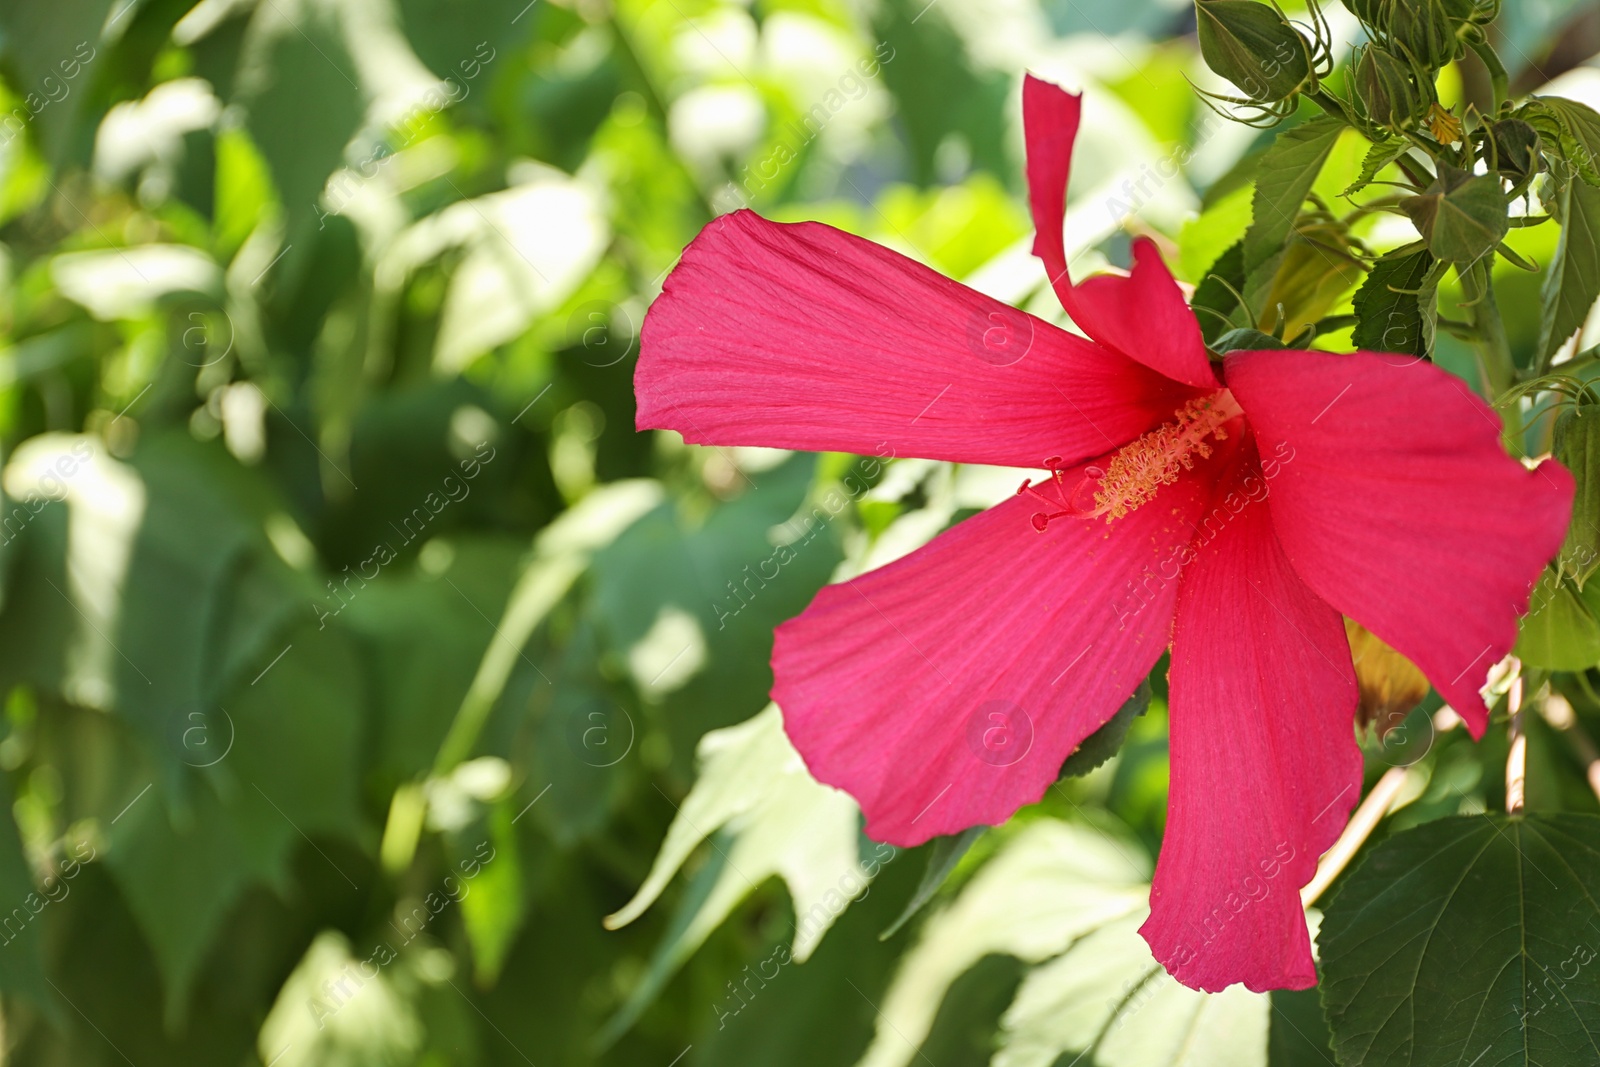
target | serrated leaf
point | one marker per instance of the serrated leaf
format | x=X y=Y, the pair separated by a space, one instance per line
x=1559 y=632
x=1577 y=130
x=1380 y=155
x=780 y=821
x=1576 y=443
x=1462 y=218
x=1468 y=940
x=1068 y=900
x=1107 y=740
x=1573 y=283
x=1396 y=307
x=1283 y=178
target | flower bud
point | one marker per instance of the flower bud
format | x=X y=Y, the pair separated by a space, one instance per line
x=1387 y=90
x=1516 y=149
x=1254 y=47
x=1425 y=30
x=1370 y=12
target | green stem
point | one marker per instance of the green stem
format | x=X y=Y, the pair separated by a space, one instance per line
x=1329 y=103
x=1491 y=343
x=1499 y=81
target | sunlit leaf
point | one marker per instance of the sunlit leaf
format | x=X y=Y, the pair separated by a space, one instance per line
x=1050 y=886
x=1559 y=632
x=1107 y=999
x=1380 y=155
x=1285 y=175
x=778 y=820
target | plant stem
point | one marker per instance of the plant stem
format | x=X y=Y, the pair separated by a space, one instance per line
x=1517 y=757
x=1329 y=103
x=1499 y=81
x=1492 y=345
x=1366 y=818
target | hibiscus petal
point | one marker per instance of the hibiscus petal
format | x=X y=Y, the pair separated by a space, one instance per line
x=1144 y=316
x=1265 y=767
x=802 y=336
x=1395 y=502
x=945 y=689
x=1050 y=117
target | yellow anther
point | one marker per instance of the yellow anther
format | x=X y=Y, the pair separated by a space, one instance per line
x=1143 y=466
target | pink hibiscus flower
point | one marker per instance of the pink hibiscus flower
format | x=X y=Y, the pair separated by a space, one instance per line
x=1232 y=511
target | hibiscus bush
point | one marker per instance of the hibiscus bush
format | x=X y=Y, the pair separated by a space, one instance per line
x=696 y=532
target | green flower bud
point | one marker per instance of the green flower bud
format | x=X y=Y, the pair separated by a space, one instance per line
x=1387 y=90
x=1370 y=12
x=1425 y=29
x=1254 y=47
x=1516 y=149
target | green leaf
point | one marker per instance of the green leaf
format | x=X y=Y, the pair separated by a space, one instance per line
x=367 y=1005
x=1105 y=741
x=21 y=937
x=781 y=822
x=1470 y=939
x=945 y=853
x=1576 y=443
x=1107 y=999
x=300 y=88
x=1559 y=632
x=1217 y=292
x=940 y=91
x=1067 y=901
x=1576 y=128
x=1245 y=340
x=1283 y=178
x=183 y=853
x=57 y=51
x=1397 y=306
x=495 y=902
x=1461 y=217
x=714 y=590
x=1206 y=239
x=1573 y=283
x=1380 y=155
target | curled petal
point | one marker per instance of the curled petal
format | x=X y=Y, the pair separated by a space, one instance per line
x=1144 y=315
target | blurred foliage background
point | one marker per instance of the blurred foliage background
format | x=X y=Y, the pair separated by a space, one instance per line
x=355 y=650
